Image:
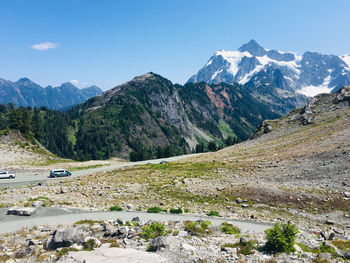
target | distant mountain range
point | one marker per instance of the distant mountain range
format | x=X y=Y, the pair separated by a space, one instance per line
x=252 y=65
x=24 y=92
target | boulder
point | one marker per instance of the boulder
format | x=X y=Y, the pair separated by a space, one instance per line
x=21 y=211
x=239 y=200
x=123 y=231
x=30 y=243
x=65 y=237
x=158 y=243
x=135 y=219
x=20 y=253
x=129 y=207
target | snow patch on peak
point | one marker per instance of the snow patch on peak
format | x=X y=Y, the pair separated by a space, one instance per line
x=312 y=91
x=233 y=58
x=346 y=59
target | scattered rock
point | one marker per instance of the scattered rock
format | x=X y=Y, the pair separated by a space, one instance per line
x=158 y=243
x=239 y=200
x=65 y=237
x=130 y=207
x=330 y=222
x=20 y=253
x=135 y=219
x=21 y=211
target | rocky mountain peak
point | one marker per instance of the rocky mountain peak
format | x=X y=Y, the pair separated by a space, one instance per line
x=253 y=48
x=310 y=74
x=24 y=81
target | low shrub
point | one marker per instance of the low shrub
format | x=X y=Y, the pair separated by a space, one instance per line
x=113 y=242
x=90 y=245
x=63 y=252
x=213 y=213
x=155 y=209
x=175 y=211
x=343 y=245
x=153 y=230
x=115 y=208
x=281 y=238
x=197 y=228
x=243 y=249
x=230 y=229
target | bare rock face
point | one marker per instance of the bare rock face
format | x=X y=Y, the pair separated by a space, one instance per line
x=343 y=95
x=21 y=211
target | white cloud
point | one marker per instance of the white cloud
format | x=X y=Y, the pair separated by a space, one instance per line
x=74 y=82
x=45 y=46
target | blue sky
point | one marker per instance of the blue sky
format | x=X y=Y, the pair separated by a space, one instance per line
x=109 y=42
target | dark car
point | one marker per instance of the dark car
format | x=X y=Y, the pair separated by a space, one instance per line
x=60 y=173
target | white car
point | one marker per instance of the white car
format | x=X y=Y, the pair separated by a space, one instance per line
x=6 y=174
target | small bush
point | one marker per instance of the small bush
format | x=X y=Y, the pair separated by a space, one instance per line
x=343 y=245
x=326 y=249
x=175 y=211
x=230 y=229
x=186 y=210
x=213 y=213
x=90 y=245
x=115 y=208
x=149 y=248
x=63 y=252
x=112 y=242
x=320 y=260
x=153 y=230
x=196 y=228
x=281 y=238
x=155 y=209
x=243 y=249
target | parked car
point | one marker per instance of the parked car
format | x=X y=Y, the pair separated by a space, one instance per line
x=6 y=174
x=60 y=173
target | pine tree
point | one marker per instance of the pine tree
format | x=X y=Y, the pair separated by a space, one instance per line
x=25 y=123
x=37 y=124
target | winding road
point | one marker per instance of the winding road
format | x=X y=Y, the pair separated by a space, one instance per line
x=58 y=216
x=25 y=179
x=15 y=223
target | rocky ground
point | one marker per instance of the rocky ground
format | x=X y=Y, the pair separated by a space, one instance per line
x=295 y=169
x=177 y=242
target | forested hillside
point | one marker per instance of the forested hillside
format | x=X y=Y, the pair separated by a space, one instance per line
x=147 y=117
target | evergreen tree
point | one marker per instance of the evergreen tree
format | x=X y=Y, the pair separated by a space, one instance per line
x=13 y=117
x=37 y=124
x=25 y=124
x=212 y=146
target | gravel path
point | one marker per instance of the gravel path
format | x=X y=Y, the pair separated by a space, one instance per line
x=51 y=217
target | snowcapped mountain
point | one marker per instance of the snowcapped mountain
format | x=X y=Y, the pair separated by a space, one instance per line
x=309 y=74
